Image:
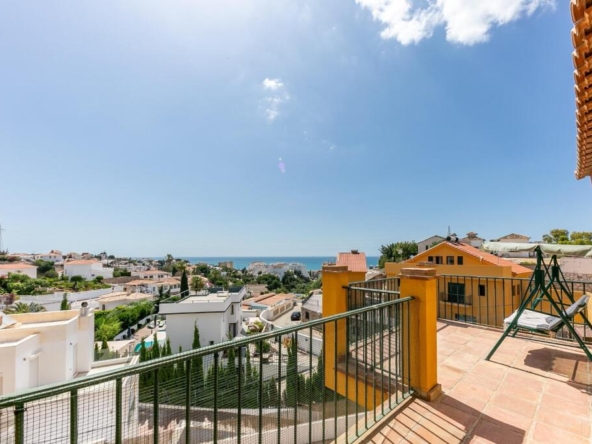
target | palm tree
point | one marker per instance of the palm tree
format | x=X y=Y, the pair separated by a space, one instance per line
x=21 y=307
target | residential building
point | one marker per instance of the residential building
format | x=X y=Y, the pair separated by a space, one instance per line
x=88 y=269
x=18 y=268
x=426 y=244
x=43 y=348
x=226 y=264
x=112 y=300
x=254 y=290
x=151 y=274
x=278 y=269
x=217 y=314
x=515 y=238
x=355 y=262
x=312 y=306
x=473 y=240
x=53 y=256
x=152 y=286
x=478 y=294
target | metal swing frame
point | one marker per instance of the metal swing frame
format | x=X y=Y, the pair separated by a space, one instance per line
x=541 y=291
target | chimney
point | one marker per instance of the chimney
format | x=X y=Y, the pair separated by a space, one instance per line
x=84 y=309
x=355 y=252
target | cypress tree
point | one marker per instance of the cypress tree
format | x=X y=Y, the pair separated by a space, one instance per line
x=184 y=284
x=197 y=369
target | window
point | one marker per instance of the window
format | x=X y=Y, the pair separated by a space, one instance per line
x=456 y=293
x=449 y=260
x=481 y=290
x=427 y=248
x=439 y=260
x=459 y=260
x=211 y=342
x=231 y=309
x=465 y=318
x=430 y=258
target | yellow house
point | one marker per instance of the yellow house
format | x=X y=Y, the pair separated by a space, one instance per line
x=473 y=285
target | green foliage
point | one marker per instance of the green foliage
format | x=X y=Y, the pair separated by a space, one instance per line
x=77 y=279
x=390 y=252
x=562 y=236
x=109 y=323
x=21 y=307
x=119 y=272
x=44 y=266
x=197 y=283
x=184 y=284
x=270 y=280
x=65 y=304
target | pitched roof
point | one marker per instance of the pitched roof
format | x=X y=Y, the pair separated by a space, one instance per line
x=354 y=261
x=431 y=237
x=515 y=236
x=153 y=272
x=82 y=262
x=15 y=265
x=487 y=257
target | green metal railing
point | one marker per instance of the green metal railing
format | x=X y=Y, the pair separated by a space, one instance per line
x=271 y=387
x=487 y=301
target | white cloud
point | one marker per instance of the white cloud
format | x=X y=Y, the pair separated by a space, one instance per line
x=277 y=97
x=466 y=21
x=272 y=84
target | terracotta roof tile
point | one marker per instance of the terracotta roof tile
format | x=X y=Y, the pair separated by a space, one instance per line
x=353 y=261
x=15 y=265
x=82 y=262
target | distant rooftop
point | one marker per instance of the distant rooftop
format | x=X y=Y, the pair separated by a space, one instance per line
x=354 y=261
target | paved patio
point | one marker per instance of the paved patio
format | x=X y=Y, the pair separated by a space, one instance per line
x=531 y=392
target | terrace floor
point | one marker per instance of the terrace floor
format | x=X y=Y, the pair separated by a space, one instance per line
x=530 y=392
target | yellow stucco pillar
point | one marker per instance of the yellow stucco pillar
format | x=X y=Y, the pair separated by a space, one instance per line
x=420 y=342
x=334 y=302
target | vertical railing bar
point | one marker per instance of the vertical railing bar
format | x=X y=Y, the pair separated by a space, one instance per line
x=215 y=413
x=323 y=398
x=74 y=414
x=260 y=392
x=239 y=416
x=19 y=423
x=356 y=346
x=279 y=382
x=297 y=390
x=156 y=407
x=365 y=362
x=347 y=341
x=188 y=370
x=408 y=349
x=334 y=377
x=118 y=412
x=310 y=385
x=382 y=391
x=373 y=360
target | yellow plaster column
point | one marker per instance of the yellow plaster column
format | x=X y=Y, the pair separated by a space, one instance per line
x=421 y=283
x=334 y=302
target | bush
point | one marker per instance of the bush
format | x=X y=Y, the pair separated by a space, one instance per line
x=77 y=279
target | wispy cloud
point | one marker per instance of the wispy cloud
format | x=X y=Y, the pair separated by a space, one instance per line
x=466 y=21
x=277 y=96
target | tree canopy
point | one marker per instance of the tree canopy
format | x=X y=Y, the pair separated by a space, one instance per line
x=390 y=252
x=563 y=236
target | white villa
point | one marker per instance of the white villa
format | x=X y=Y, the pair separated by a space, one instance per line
x=217 y=315
x=88 y=269
x=152 y=286
x=20 y=268
x=53 y=256
x=44 y=348
x=151 y=274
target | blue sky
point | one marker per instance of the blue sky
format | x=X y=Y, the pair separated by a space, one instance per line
x=147 y=127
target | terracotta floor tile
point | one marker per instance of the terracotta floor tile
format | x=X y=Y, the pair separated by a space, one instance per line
x=573 y=424
x=472 y=389
x=544 y=433
x=523 y=392
x=492 y=432
x=514 y=404
x=483 y=381
x=551 y=404
x=498 y=414
x=572 y=391
x=458 y=338
x=525 y=379
x=490 y=369
x=466 y=403
x=424 y=435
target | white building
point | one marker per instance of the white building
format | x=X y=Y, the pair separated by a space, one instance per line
x=428 y=243
x=18 y=268
x=279 y=269
x=88 y=269
x=473 y=240
x=151 y=274
x=53 y=256
x=152 y=287
x=43 y=348
x=218 y=316
x=516 y=238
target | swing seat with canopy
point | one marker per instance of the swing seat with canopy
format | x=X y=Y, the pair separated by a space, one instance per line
x=546 y=282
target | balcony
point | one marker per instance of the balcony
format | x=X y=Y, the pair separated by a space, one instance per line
x=358 y=388
x=530 y=391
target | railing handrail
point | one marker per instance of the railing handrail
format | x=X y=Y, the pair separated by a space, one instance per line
x=374 y=290
x=88 y=381
x=504 y=278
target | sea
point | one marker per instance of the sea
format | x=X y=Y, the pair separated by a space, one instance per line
x=312 y=263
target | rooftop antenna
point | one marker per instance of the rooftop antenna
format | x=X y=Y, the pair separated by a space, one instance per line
x=448 y=230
